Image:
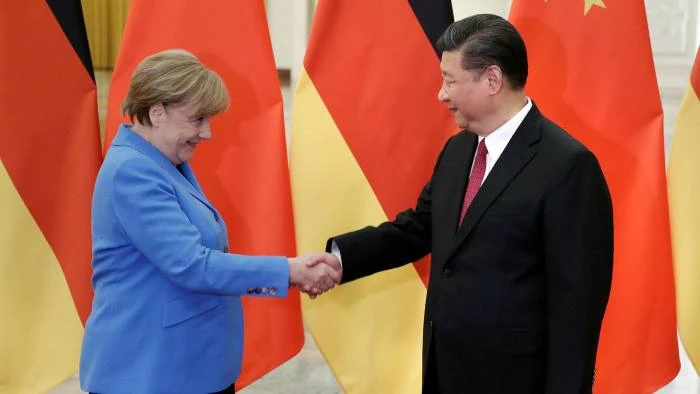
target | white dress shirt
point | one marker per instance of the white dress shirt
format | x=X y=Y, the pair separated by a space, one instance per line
x=497 y=141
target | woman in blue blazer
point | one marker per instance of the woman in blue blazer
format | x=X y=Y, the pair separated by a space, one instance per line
x=166 y=316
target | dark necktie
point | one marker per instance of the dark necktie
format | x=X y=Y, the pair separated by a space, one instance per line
x=475 y=179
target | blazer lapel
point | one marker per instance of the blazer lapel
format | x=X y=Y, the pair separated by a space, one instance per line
x=519 y=151
x=194 y=187
x=196 y=190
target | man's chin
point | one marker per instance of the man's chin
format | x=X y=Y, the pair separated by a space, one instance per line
x=461 y=124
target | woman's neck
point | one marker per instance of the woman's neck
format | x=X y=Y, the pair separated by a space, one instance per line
x=143 y=131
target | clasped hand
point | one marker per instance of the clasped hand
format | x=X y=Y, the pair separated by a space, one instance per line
x=315 y=274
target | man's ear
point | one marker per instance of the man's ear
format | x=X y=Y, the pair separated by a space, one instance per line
x=494 y=76
x=156 y=114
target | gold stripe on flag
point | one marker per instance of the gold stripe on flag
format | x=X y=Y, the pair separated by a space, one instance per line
x=40 y=333
x=684 y=201
x=378 y=334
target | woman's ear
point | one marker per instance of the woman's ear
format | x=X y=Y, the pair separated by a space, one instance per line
x=156 y=114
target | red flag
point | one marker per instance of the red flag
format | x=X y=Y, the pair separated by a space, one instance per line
x=592 y=72
x=243 y=170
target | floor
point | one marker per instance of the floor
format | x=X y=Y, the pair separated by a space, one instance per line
x=308 y=373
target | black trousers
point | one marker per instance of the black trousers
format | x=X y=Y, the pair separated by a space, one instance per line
x=431 y=384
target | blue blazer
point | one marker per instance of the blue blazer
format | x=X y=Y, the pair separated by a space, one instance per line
x=166 y=317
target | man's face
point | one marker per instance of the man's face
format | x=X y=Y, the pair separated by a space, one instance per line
x=465 y=92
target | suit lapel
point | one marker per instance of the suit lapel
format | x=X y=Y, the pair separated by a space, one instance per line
x=519 y=151
x=455 y=193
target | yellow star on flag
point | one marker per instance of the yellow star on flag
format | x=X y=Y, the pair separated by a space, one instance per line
x=590 y=3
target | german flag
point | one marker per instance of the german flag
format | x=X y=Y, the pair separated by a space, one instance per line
x=244 y=169
x=367 y=129
x=684 y=194
x=592 y=72
x=50 y=153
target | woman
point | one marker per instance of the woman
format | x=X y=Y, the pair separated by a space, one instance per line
x=167 y=317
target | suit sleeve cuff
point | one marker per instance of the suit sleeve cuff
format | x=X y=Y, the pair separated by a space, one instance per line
x=336 y=251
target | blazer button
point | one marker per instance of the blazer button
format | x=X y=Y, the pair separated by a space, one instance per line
x=258 y=290
x=446 y=272
x=251 y=290
x=273 y=291
x=430 y=323
x=225 y=249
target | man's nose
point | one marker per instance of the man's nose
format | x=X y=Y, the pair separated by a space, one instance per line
x=442 y=95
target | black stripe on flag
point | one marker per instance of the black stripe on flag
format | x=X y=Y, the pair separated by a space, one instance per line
x=69 y=14
x=434 y=17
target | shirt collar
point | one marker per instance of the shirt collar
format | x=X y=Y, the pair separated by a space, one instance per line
x=497 y=141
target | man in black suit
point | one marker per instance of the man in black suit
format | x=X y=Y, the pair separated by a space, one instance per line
x=518 y=218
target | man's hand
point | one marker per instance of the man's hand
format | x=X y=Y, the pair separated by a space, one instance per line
x=315 y=273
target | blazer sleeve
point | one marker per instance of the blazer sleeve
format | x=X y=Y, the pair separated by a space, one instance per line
x=578 y=250
x=392 y=244
x=150 y=214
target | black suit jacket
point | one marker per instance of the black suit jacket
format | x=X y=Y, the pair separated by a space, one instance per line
x=517 y=293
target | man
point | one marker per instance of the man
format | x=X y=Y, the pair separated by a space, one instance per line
x=518 y=218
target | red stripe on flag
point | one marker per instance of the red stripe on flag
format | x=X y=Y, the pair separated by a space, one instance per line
x=243 y=170
x=380 y=85
x=50 y=135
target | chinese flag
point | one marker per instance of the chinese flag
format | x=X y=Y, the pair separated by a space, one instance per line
x=592 y=72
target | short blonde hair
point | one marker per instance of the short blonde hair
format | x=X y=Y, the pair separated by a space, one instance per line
x=174 y=76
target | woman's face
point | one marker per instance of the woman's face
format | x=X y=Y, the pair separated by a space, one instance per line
x=177 y=130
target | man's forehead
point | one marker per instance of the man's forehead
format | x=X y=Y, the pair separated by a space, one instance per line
x=450 y=59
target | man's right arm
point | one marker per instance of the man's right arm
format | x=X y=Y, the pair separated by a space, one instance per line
x=392 y=244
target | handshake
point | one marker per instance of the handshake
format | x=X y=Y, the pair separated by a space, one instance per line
x=315 y=274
